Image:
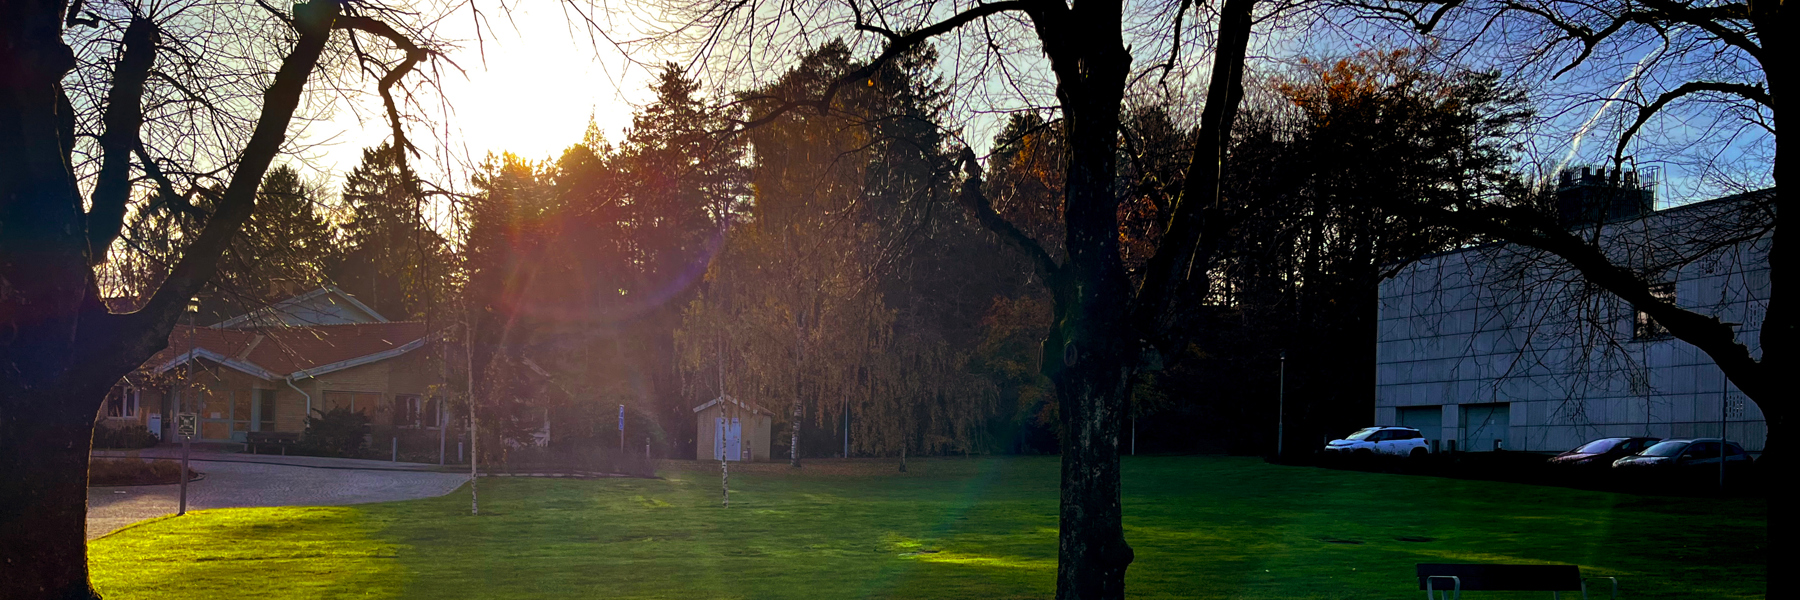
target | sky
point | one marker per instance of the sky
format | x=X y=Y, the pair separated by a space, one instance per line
x=542 y=79
x=532 y=95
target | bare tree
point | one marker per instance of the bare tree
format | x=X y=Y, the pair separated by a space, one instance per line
x=109 y=109
x=1104 y=322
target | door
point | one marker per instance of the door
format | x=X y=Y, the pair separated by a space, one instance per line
x=1384 y=442
x=1484 y=425
x=262 y=414
x=727 y=439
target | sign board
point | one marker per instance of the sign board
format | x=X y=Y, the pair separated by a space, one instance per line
x=187 y=424
x=621 y=417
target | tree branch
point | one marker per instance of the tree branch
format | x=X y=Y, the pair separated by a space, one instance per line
x=124 y=119
x=1530 y=228
x=414 y=55
x=1193 y=228
x=129 y=338
x=976 y=202
x=1754 y=93
x=897 y=45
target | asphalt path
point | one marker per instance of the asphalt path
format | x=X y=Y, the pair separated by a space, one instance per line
x=241 y=481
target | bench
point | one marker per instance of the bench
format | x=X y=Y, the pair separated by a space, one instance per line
x=1450 y=580
x=280 y=439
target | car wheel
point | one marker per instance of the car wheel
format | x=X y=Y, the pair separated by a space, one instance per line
x=1419 y=454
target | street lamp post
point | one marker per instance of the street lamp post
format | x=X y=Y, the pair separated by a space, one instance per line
x=1281 y=406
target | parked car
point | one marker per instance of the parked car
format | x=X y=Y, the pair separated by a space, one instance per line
x=1695 y=456
x=1392 y=441
x=1602 y=452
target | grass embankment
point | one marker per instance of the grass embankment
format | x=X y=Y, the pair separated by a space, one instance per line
x=1202 y=527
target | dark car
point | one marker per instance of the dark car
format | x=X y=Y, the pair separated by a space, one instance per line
x=1602 y=452
x=1695 y=456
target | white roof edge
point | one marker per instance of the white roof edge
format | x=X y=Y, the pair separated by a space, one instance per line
x=728 y=398
x=360 y=360
x=246 y=367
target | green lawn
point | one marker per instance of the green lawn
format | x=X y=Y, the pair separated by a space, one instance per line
x=982 y=528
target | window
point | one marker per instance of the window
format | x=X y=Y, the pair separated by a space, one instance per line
x=265 y=410
x=1702 y=451
x=433 y=415
x=412 y=411
x=1646 y=328
x=122 y=403
x=1598 y=447
x=367 y=403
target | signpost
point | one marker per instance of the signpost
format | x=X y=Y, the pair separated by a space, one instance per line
x=621 y=429
x=186 y=425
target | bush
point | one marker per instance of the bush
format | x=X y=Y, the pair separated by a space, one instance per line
x=128 y=437
x=131 y=471
x=339 y=432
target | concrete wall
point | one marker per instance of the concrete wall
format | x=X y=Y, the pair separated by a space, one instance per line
x=1507 y=325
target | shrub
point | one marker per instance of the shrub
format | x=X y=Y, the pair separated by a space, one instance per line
x=132 y=471
x=339 y=432
x=127 y=437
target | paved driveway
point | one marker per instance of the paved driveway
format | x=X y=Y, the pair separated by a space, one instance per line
x=235 y=484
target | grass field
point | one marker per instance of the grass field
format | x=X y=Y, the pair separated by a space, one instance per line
x=983 y=528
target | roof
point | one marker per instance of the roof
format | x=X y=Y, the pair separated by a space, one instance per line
x=291 y=352
x=327 y=305
x=750 y=406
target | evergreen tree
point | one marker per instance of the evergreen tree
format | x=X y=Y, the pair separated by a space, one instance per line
x=391 y=259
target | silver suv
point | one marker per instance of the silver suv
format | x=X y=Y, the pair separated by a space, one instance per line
x=1391 y=441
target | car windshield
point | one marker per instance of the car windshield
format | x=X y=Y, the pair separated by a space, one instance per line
x=1665 y=449
x=1362 y=435
x=1597 y=446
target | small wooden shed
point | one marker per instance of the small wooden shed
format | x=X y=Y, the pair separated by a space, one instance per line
x=728 y=428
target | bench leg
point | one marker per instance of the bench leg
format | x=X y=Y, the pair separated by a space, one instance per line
x=1615 y=587
x=1443 y=594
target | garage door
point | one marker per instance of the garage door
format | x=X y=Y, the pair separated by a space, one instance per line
x=1484 y=424
x=1429 y=420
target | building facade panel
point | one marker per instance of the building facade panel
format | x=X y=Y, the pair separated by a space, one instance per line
x=1500 y=332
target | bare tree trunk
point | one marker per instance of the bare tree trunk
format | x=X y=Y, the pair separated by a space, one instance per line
x=1773 y=23
x=44 y=553
x=794 y=441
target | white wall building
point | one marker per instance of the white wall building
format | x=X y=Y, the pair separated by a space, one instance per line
x=1506 y=345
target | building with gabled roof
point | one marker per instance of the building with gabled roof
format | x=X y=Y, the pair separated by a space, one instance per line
x=722 y=424
x=266 y=370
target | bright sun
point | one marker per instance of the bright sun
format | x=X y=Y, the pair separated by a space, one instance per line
x=532 y=95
